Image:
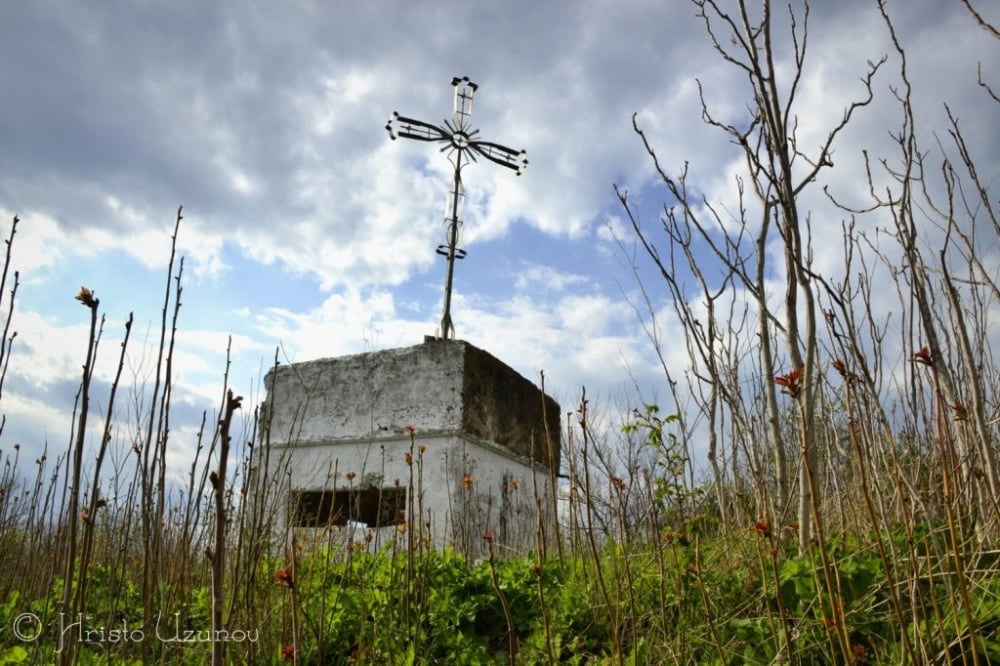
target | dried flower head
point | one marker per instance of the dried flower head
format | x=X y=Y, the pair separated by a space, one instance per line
x=86 y=297
x=842 y=370
x=284 y=577
x=924 y=356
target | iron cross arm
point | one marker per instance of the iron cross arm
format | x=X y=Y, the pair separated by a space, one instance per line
x=410 y=128
x=502 y=155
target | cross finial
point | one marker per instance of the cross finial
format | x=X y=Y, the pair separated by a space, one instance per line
x=465 y=90
x=462 y=146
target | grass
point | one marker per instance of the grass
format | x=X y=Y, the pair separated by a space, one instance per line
x=118 y=565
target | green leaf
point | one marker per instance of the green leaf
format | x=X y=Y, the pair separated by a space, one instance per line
x=14 y=655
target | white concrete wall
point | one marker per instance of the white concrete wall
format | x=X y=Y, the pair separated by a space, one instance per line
x=461 y=488
x=370 y=395
x=354 y=414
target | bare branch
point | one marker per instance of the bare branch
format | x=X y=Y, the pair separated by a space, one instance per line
x=983 y=23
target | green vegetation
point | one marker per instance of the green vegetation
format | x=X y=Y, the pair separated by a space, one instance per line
x=695 y=597
x=850 y=513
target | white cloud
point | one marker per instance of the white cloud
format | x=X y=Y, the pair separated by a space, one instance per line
x=546 y=278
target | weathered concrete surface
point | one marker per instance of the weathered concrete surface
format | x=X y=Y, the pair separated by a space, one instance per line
x=457 y=490
x=501 y=406
x=468 y=468
x=440 y=386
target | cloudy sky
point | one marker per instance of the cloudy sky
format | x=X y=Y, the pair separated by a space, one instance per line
x=306 y=229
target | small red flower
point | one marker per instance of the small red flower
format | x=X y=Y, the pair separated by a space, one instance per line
x=858 y=651
x=763 y=528
x=408 y=457
x=617 y=482
x=410 y=429
x=790 y=382
x=924 y=356
x=841 y=368
x=795 y=375
x=288 y=652
x=468 y=480
x=960 y=412
x=284 y=577
x=488 y=536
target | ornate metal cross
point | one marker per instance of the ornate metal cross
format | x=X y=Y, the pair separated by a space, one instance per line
x=462 y=146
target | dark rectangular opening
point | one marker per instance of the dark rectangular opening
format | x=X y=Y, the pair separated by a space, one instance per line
x=372 y=507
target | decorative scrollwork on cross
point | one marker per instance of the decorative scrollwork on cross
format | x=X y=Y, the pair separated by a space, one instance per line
x=463 y=147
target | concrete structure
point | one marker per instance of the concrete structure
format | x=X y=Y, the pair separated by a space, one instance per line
x=439 y=441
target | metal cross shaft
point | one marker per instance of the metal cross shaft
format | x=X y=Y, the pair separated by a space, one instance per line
x=462 y=146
